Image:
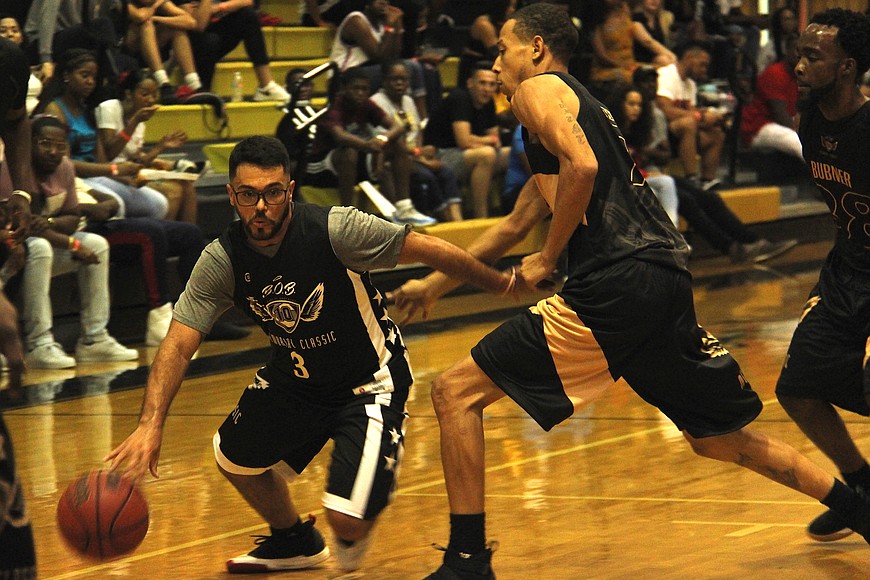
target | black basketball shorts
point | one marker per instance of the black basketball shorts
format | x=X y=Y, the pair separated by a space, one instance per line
x=271 y=428
x=632 y=320
x=827 y=357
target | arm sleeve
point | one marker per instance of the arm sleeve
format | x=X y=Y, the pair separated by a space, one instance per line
x=209 y=291
x=364 y=242
x=109 y=115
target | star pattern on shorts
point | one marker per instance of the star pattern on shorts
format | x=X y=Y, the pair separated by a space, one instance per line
x=390 y=463
x=395 y=436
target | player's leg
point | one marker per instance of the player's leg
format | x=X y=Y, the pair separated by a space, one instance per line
x=264 y=442
x=826 y=367
x=358 y=490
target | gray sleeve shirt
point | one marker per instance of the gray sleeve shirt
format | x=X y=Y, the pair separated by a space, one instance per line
x=361 y=241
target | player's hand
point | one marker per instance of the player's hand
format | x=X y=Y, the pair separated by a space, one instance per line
x=138 y=453
x=145 y=113
x=411 y=297
x=534 y=270
x=85 y=256
x=174 y=140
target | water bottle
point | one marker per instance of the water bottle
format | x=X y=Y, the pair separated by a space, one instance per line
x=237 y=89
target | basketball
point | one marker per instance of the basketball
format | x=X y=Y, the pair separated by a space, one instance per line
x=102 y=514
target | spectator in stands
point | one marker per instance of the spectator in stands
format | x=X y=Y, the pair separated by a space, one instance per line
x=121 y=133
x=65 y=97
x=298 y=143
x=154 y=25
x=349 y=148
x=327 y=13
x=483 y=36
x=369 y=38
x=695 y=130
x=465 y=130
x=151 y=242
x=10 y=30
x=220 y=27
x=657 y=21
x=768 y=120
x=613 y=41
x=704 y=210
x=434 y=187
x=57 y=247
x=783 y=23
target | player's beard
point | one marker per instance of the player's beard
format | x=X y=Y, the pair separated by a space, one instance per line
x=262 y=234
x=812 y=98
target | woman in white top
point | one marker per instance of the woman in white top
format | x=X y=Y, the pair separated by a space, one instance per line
x=121 y=130
x=11 y=30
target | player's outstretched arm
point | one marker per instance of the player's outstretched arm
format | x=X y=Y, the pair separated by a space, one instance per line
x=493 y=243
x=455 y=262
x=141 y=450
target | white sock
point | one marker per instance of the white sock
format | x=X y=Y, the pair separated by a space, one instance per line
x=161 y=77
x=192 y=80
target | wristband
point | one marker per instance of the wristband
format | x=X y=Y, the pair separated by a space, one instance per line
x=389 y=29
x=114 y=168
x=382 y=138
x=512 y=283
x=699 y=115
x=74 y=245
x=416 y=151
x=50 y=220
x=23 y=194
x=124 y=135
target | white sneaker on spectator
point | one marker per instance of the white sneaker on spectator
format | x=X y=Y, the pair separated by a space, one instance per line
x=49 y=356
x=103 y=350
x=406 y=213
x=158 y=324
x=271 y=92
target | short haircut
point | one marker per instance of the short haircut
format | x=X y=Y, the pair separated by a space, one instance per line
x=353 y=74
x=40 y=122
x=481 y=65
x=261 y=151
x=853 y=34
x=288 y=79
x=389 y=64
x=693 y=46
x=550 y=23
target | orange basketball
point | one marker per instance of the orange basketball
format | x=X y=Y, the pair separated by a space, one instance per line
x=102 y=514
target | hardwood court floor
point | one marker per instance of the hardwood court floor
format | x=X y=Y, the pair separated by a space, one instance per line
x=612 y=493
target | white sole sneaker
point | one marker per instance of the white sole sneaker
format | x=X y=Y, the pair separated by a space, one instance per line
x=247 y=564
x=349 y=558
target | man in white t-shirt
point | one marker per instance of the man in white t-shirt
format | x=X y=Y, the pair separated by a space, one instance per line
x=694 y=130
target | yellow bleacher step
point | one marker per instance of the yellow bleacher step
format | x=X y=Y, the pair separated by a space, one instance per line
x=224 y=72
x=200 y=124
x=754 y=204
x=290 y=42
x=286 y=10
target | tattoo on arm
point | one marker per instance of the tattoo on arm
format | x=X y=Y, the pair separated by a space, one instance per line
x=575 y=127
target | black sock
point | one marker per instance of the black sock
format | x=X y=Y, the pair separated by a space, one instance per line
x=294 y=529
x=849 y=506
x=468 y=533
x=860 y=477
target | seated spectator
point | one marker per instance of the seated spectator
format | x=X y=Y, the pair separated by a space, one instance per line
x=465 y=130
x=483 y=36
x=154 y=25
x=220 y=27
x=613 y=41
x=783 y=23
x=121 y=133
x=434 y=187
x=695 y=131
x=298 y=143
x=327 y=13
x=10 y=30
x=56 y=247
x=349 y=148
x=768 y=120
x=66 y=96
x=633 y=109
x=152 y=242
x=657 y=21
x=369 y=38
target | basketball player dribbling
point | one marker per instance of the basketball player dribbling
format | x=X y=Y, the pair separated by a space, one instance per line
x=626 y=309
x=826 y=365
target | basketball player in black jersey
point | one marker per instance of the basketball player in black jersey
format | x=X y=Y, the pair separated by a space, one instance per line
x=826 y=365
x=17 y=554
x=338 y=367
x=625 y=311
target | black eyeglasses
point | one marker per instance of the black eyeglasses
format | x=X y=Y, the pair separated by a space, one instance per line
x=249 y=197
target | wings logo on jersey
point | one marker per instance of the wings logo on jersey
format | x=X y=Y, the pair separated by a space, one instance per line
x=288 y=314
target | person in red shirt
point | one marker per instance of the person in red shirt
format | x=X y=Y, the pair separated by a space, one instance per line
x=767 y=122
